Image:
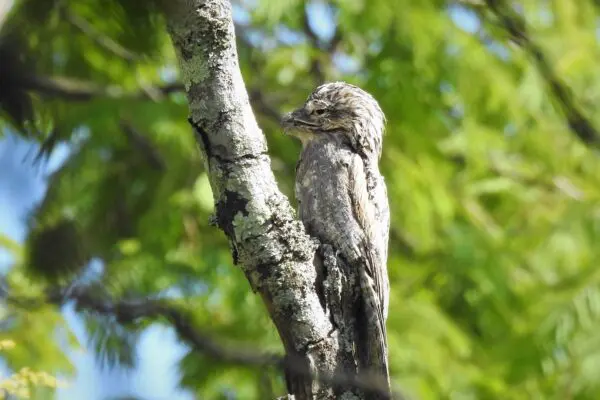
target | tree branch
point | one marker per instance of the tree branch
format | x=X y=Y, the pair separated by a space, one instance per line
x=129 y=311
x=98 y=37
x=142 y=143
x=260 y=103
x=516 y=27
x=88 y=298
x=277 y=256
x=77 y=90
x=316 y=66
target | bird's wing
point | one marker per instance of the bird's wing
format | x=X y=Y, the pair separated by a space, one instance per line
x=366 y=214
x=382 y=208
x=373 y=276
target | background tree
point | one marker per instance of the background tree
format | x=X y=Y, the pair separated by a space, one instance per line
x=490 y=157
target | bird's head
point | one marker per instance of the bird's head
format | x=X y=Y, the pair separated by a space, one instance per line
x=339 y=108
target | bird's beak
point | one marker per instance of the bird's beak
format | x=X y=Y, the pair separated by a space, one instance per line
x=296 y=119
x=287 y=121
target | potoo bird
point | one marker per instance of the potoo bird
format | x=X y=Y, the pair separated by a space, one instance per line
x=342 y=200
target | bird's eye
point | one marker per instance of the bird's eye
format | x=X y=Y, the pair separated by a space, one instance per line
x=320 y=111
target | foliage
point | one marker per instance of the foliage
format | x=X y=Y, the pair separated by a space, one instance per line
x=494 y=196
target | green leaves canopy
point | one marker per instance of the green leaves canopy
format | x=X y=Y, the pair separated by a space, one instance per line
x=494 y=195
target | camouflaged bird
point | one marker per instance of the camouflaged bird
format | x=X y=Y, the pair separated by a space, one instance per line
x=342 y=200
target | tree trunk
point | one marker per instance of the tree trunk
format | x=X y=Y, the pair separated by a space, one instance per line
x=282 y=263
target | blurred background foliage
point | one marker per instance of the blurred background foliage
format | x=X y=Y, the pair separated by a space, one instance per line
x=491 y=160
x=25 y=382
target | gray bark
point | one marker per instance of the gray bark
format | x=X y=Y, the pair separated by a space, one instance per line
x=281 y=262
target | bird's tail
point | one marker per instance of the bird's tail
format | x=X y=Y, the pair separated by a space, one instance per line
x=372 y=341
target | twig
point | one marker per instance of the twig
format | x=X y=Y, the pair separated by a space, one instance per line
x=335 y=41
x=516 y=27
x=77 y=90
x=142 y=143
x=337 y=38
x=316 y=66
x=312 y=36
x=260 y=103
x=99 y=38
x=257 y=98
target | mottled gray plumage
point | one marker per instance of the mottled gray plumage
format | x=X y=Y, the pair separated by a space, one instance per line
x=343 y=200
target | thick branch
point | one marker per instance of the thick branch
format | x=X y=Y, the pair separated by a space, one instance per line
x=270 y=245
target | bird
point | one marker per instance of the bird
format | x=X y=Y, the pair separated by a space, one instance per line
x=342 y=201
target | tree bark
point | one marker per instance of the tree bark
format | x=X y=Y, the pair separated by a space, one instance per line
x=281 y=262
